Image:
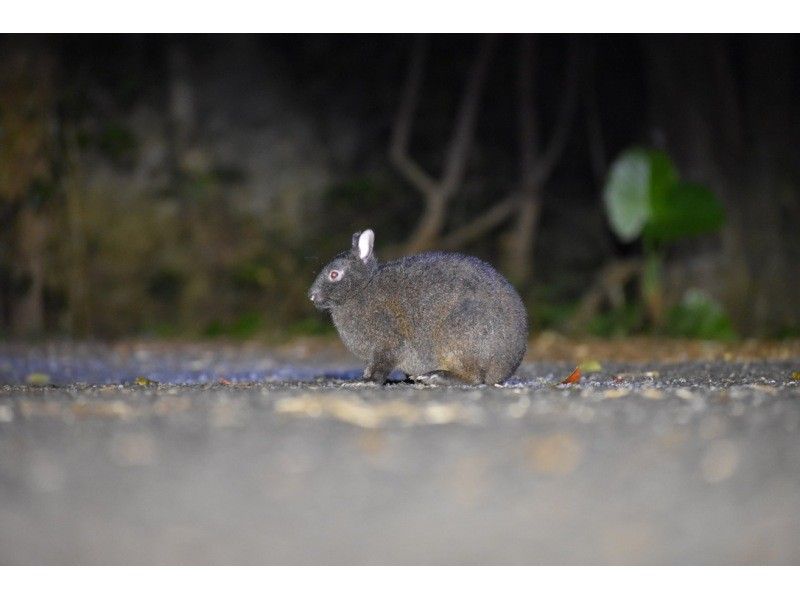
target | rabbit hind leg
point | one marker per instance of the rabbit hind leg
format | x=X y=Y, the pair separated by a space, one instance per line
x=497 y=375
x=463 y=368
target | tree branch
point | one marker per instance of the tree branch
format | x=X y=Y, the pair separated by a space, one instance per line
x=608 y=285
x=437 y=193
x=482 y=224
x=401 y=133
x=461 y=141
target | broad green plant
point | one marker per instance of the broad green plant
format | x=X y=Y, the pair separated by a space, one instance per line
x=645 y=198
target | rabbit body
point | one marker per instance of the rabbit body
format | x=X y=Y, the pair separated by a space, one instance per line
x=433 y=313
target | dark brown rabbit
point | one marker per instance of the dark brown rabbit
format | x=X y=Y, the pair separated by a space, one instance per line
x=432 y=316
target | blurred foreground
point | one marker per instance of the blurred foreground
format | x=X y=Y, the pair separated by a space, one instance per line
x=670 y=453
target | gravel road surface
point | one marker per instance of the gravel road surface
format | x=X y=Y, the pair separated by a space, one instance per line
x=191 y=455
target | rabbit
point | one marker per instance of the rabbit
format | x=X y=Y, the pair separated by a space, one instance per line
x=434 y=316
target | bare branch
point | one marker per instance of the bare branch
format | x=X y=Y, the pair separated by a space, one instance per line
x=608 y=286
x=482 y=224
x=549 y=159
x=401 y=134
x=460 y=143
x=438 y=193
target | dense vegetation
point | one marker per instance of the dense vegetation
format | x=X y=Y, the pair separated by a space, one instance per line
x=170 y=185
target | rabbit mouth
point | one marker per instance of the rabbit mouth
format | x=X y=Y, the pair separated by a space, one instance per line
x=320 y=303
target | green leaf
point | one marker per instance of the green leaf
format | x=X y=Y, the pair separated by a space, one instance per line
x=626 y=194
x=38 y=379
x=687 y=209
x=663 y=176
x=590 y=365
x=637 y=179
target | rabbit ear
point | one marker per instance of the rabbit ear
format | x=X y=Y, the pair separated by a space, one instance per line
x=356 y=236
x=366 y=240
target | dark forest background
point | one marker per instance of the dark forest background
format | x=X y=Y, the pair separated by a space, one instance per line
x=194 y=185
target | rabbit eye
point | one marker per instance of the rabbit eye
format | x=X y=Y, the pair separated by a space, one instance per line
x=335 y=274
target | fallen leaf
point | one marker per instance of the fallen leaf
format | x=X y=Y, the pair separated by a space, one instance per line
x=224 y=381
x=143 y=381
x=590 y=365
x=38 y=379
x=796 y=375
x=573 y=378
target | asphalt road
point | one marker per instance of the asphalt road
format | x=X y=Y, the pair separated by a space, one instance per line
x=218 y=456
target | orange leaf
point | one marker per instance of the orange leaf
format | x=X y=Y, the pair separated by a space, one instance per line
x=574 y=377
